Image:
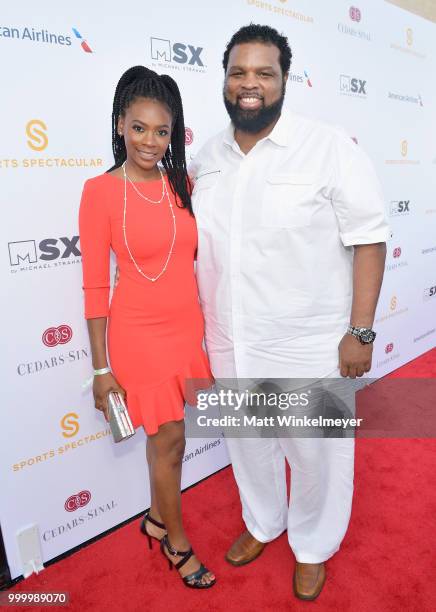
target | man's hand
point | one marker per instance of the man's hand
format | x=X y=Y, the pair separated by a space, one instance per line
x=354 y=358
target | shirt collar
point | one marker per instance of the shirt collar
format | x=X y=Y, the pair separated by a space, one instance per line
x=279 y=134
x=229 y=135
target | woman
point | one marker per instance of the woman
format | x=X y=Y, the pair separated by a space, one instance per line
x=155 y=325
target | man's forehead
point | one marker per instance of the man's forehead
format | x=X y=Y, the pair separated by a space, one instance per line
x=254 y=53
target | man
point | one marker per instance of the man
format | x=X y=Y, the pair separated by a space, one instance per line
x=291 y=252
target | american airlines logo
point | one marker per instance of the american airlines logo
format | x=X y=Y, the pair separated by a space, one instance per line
x=301 y=78
x=414 y=99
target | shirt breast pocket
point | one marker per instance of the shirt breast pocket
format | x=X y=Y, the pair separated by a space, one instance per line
x=203 y=193
x=288 y=200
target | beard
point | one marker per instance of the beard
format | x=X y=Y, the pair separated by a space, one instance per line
x=254 y=121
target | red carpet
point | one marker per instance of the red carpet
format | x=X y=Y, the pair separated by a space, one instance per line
x=386 y=563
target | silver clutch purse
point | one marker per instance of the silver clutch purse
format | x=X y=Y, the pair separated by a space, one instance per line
x=119 y=419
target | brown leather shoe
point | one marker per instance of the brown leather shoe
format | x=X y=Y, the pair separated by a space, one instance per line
x=309 y=579
x=244 y=550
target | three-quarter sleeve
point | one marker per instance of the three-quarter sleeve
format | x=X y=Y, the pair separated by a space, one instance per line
x=357 y=197
x=95 y=238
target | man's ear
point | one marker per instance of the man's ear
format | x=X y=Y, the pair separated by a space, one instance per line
x=285 y=77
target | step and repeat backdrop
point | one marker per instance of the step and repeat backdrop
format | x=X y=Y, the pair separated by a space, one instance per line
x=368 y=67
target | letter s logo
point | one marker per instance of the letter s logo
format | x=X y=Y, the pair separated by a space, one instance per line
x=404 y=147
x=38 y=139
x=179 y=53
x=70 y=424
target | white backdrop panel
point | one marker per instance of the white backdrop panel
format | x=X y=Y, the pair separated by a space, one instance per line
x=55 y=444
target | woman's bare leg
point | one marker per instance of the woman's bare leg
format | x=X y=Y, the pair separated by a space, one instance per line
x=165 y=452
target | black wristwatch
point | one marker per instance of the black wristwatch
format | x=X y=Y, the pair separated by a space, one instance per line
x=365 y=335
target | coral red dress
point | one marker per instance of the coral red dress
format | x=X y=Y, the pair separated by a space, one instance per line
x=155 y=329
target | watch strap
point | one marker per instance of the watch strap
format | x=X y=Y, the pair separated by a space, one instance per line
x=361 y=332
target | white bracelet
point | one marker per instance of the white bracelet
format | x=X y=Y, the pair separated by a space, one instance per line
x=101 y=371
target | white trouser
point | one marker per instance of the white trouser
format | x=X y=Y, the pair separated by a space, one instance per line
x=320 y=496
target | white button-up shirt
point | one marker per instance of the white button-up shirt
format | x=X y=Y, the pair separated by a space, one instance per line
x=276 y=228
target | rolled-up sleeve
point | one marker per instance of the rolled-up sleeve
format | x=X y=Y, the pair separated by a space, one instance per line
x=357 y=197
x=95 y=238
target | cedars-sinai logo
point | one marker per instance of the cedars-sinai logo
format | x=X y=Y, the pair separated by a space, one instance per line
x=74 y=502
x=189 y=136
x=57 y=335
x=389 y=348
x=355 y=14
x=396 y=252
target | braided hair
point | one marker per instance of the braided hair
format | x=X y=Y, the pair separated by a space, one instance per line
x=140 y=82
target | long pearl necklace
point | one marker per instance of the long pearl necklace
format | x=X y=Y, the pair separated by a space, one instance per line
x=141 y=194
x=165 y=192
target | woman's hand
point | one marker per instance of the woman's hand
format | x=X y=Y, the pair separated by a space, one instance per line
x=103 y=384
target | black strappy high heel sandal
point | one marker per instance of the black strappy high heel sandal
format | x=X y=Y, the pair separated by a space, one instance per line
x=143 y=528
x=193 y=580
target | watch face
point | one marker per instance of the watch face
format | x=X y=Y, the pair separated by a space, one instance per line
x=367 y=336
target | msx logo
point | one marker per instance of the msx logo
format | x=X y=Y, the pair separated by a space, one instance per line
x=162 y=50
x=400 y=208
x=352 y=85
x=429 y=292
x=26 y=251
